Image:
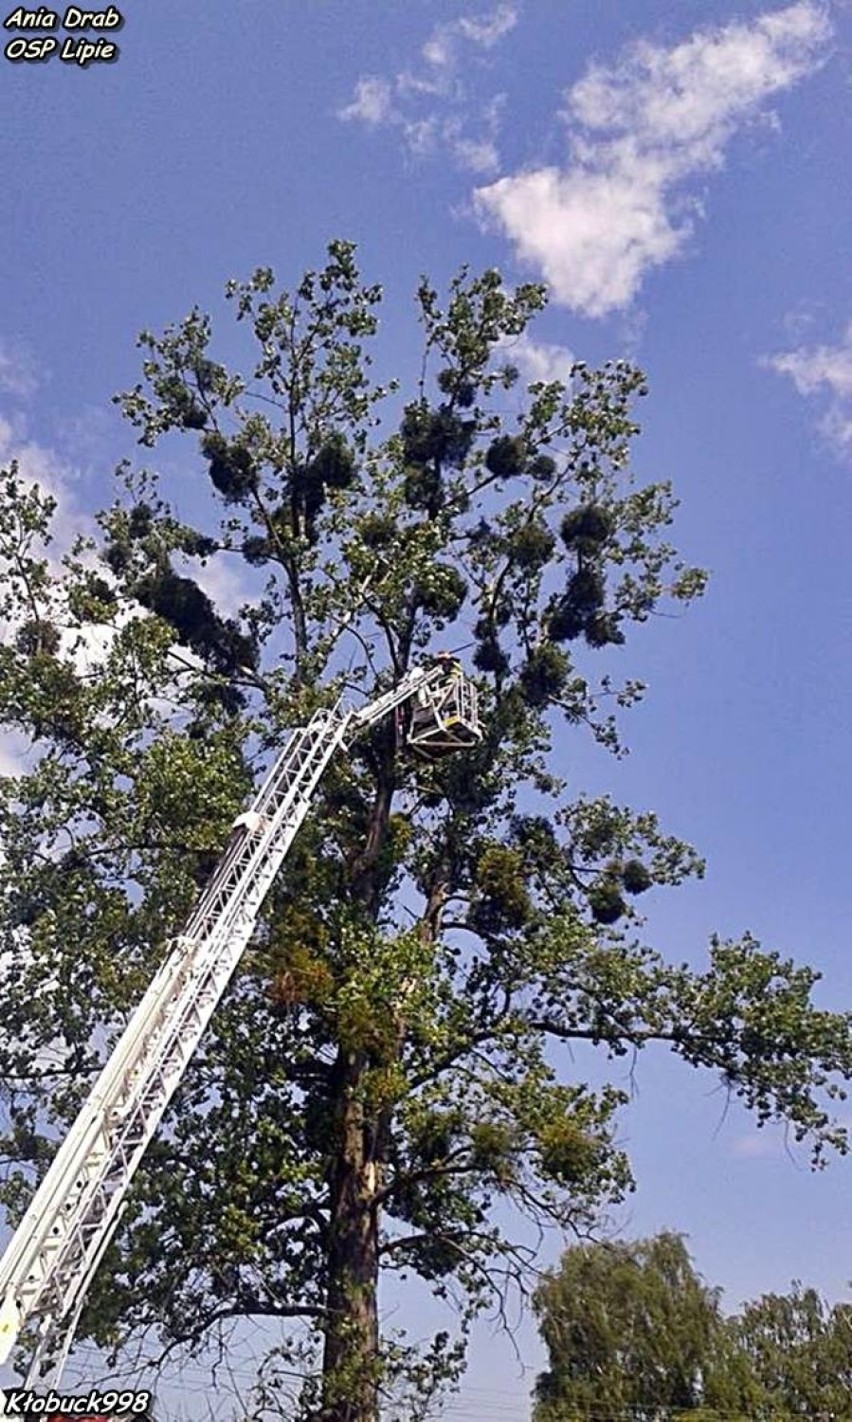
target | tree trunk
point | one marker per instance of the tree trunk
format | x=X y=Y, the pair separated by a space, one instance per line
x=351 y=1359
x=351 y=1351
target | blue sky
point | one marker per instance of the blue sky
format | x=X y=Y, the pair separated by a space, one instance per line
x=678 y=173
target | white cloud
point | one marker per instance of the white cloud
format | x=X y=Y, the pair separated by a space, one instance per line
x=444 y=49
x=765 y=1144
x=414 y=101
x=824 y=370
x=16 y=754
x=373 y=101
x=40 y=465
x=17 y=373
x=36 y=464
x=86 y=649
x=488 y=29
x=222 y=582
x=539 y=360
x=481 y=157
x=828 y=367
x=475 y=154
x=639 y=129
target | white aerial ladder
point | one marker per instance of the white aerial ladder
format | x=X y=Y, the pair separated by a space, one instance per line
x=56 y=1249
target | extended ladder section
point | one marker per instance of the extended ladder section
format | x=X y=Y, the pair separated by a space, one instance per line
x=62 y=1237
x=56 y=1249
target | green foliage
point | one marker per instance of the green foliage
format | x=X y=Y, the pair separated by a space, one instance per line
x=502 y=899
x=627 y=1327
x=532 y=546
x=635 y=877
x=490 y=657
x=441 y=593
x=795 y=1353
x=436 y=437
x=380 y=1073
x=505 y=456
x=632 y=1328
x=231 y=468
x=544 y=675
x=605 y=900
x=586 y=528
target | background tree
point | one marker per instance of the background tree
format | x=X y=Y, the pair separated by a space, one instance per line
x=631 y=1330
x=380 y=1076
x=799 y=1351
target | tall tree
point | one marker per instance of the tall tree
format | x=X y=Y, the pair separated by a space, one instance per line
x=379 y=1077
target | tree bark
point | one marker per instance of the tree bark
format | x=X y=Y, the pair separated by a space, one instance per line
x=351 y=1349
x=351 y=1357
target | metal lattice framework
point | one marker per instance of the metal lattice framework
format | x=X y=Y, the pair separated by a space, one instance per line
x=56 y=1249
